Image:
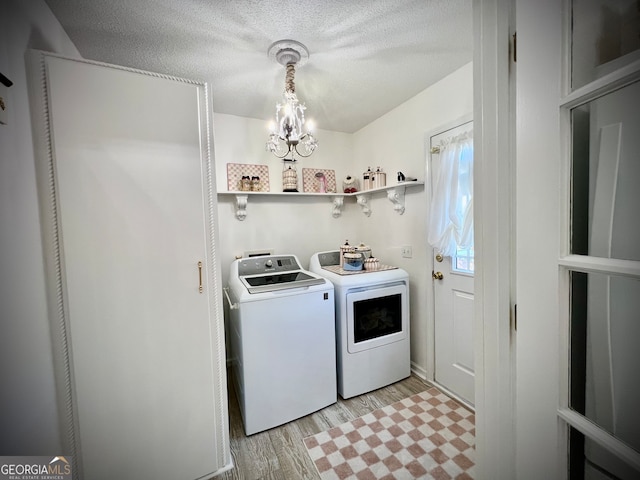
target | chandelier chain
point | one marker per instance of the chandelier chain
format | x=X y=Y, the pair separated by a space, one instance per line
x=289 y=84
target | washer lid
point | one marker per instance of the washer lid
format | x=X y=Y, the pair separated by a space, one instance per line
x=280 y=281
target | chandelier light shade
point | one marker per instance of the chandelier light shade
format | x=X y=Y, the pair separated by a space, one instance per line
x=291 y=134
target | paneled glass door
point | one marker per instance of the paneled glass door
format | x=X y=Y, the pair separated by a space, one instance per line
x=603 y=241
x=578 y=239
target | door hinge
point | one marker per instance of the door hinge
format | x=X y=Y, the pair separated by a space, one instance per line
x=515 y=47
x=515 y=317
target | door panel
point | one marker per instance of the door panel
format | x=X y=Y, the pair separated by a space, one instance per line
x=463 y=331
x=454 y=330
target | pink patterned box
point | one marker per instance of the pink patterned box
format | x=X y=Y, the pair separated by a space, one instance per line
x=235 y=172
x=312 y=185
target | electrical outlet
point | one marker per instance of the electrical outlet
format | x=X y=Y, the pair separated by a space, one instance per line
x=407 y=251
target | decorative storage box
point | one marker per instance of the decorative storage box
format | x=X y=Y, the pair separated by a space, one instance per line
x=235 y=172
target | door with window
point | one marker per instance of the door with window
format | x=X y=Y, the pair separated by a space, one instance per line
x=451 y=237
x=578 y=251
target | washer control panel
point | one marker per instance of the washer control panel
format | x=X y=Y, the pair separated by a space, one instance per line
x=267 y=264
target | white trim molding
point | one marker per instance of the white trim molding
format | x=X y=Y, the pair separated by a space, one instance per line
x=493 y=200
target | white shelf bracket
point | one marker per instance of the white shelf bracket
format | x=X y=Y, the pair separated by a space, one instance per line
x=338 y=203
x=363 y=201
x=241 y=206
x=396 y=196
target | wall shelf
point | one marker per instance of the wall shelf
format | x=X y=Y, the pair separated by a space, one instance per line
x=395 y=194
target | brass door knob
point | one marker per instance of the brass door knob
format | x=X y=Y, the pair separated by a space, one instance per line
x=437 y=275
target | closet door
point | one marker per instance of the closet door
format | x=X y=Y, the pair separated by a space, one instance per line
x=129 y=198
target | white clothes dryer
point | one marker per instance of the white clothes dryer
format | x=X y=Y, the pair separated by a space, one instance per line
x=283 y=346
x=372 y=324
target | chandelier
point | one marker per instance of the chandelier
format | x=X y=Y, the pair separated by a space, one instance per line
x=290 y=134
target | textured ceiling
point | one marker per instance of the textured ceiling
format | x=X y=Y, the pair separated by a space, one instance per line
x=366 y=56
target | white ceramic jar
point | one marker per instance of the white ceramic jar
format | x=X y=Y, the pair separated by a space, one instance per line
x=365 y=250
x=346 y=248
x=371 y=263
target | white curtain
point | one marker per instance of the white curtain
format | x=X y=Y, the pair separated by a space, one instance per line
x=450 y=222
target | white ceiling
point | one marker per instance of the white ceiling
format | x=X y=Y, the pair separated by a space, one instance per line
x=366 y=56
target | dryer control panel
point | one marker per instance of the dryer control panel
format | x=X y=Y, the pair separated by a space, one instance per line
x=329 y=258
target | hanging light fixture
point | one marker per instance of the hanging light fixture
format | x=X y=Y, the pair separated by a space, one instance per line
x=290 y=134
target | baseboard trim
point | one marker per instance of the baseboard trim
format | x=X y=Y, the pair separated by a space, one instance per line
x=226 y=468
x=455 y=396
x=418 y=371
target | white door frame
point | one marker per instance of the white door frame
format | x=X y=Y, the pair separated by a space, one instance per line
x=538 y=164
x=493 y=215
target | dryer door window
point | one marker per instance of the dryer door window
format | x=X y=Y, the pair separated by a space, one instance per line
x=376 y=317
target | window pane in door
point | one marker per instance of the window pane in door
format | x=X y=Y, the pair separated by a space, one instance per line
x=464 y=261
x=604 y=37
x=604 y=353
x=589 y=460
x=605 y=220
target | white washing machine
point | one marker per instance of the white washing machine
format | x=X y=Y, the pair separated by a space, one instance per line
x=372 y=324
x=282 y=340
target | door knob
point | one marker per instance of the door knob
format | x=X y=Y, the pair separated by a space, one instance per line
x=437 y=275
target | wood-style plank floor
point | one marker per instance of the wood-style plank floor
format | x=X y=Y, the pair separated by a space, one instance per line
x=280 y=454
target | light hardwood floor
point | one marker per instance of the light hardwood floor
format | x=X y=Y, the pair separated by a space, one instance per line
x=280 y=454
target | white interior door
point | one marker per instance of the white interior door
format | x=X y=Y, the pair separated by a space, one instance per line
x=129 y=175
x=453 y=286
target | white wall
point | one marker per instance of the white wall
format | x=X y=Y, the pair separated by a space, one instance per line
x=28 y=411
x=300 y=225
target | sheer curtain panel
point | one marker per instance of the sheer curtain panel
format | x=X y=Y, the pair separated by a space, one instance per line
x=450 y=222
